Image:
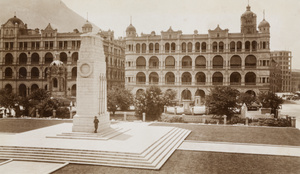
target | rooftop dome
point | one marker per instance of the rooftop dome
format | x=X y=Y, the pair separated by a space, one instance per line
x=248 y=12
x=15 y=20
x=87 y=25
x=264 y=23
x=130 y=28
x=57 y=63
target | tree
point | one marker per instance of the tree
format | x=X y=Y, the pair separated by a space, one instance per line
x=151 y=102
x=270 y=100
x=246 y=98
x=7 y=98
x=222 y=100
x=169 y=95
x=118 y=97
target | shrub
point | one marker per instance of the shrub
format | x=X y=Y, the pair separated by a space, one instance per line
x=274 y=122
x=63 y=112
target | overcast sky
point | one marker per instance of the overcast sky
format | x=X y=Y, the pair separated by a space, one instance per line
x=190 y=15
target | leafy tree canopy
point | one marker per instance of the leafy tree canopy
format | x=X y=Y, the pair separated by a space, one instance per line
x=119 y=97
x=270 y=100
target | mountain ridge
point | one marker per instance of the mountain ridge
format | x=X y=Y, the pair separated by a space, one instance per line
x=39 y=13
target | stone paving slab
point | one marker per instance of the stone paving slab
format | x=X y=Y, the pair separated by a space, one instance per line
x=262 y=149
x=29 y=167
x=138 y=138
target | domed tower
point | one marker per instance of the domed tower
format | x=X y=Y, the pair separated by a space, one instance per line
x=248 y=22
x=57 y=78
x=264 y=26
x=130 y=31
x=87 y=27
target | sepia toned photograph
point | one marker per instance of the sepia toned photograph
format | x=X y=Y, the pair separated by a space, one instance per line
x=149 y=86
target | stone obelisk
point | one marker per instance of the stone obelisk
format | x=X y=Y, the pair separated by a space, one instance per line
x=91 y=86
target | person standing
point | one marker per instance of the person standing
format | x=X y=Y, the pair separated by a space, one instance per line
x=96 y=121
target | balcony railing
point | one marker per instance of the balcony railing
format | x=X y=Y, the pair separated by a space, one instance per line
x=235 y=83
x=186 y=83
x=200 y=83
x=217 y=66
x=170 y=83
x=140 y=83
x=141 y=67
x=153 y=67
x=200 y=66
x=217 y=83
x=250 y=83
x=235 y=66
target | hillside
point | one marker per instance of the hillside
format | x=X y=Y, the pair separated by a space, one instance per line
x=38 y=13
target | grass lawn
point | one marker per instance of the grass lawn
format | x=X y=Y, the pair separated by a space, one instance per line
x=18 y=125
x=204 y=162
x=240 y=134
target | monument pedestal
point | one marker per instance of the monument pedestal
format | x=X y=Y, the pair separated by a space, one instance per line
x=91 y=86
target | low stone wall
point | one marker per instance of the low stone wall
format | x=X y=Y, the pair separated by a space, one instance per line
x=193 y=119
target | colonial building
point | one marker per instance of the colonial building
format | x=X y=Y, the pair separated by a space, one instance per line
x=26 y=56
x=284 y=59
x=295 y=80
x=196 y=62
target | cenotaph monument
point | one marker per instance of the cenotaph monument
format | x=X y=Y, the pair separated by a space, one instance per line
x=91 y=86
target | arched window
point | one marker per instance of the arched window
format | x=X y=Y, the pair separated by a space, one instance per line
x=75 y=57
x=247 y=46
x=144 y=48
x=250 y=78
x=239 y=46
x=183 y=47
x=137 y=48
x=48 y=58
x=254 y=46
x=74 y=73
x=203 y=47
x=35 y=58
x=151 y=48
x=200 y=62
x=197 y=47
x=221 y=47
x=232 y=46
x=170 y=62
x=139 y=92
x=34 y=87
x=23 y=59
x=157 y=48
x=22 y=90
x=153 y=78
x=140 y=78
x=153 y=62
x=8 y=88
x=45 y=73
x=250 y=61
x=190 y=47
x=215 y=47
x=217 y=78
x=54 y=82
x=173 y=47
x=235 y=62
x=22 y=73
x=235 y=78
x=186 y=62
x=167 y=47
x=218 y=62
x=200 y=78
x=73 y=90
x=63 y=57
x=141 y=62
x=186 y=78
x=170 y=78
x=8 y=73
x=9 y=59
x=186 y=95
x=35 y=73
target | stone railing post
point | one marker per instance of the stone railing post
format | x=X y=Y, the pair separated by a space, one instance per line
x=54 y=113
x=144 y=117
x=225 y=119
x=125 y=116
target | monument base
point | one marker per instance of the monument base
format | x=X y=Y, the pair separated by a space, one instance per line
x=86 y=123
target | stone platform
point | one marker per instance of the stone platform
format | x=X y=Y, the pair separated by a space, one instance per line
x=140 y=146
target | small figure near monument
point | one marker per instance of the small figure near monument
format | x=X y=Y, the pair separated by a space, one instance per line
x=96 y=121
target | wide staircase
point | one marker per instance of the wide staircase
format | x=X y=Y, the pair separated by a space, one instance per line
x=153 y=157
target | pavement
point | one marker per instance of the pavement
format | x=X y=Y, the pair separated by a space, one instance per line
x=139 y=137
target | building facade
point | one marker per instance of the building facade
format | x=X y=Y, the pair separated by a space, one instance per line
x=26 y=55
x=296 y=80
x=193 y=63
x=284 y=59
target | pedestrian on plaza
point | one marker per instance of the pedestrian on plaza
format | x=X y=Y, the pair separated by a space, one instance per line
x=96 y=121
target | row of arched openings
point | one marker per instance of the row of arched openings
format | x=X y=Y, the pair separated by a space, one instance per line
x=34 y=73
x=200 y=47
x=187 y=95
x=35 y=58
x=23 y=90
x=200 y=62
x=200 y=78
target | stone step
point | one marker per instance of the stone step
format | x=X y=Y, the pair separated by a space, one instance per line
x=151 y=158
